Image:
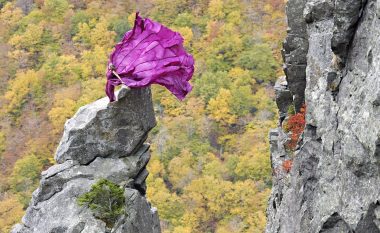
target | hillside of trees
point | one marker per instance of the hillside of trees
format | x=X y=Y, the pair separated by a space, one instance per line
x=210 y=167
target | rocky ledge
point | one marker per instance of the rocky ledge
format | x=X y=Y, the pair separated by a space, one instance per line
x=332 y=184
x=102 y=141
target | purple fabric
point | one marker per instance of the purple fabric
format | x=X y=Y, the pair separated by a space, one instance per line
x=150 y=53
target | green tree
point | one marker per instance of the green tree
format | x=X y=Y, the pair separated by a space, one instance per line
x=242 y=101
x=184 y=20
x=208 y=84
x=120 y=26
x=105 y=200
x=55 y=10
x=61 y=70
x=224 y=46
x=31 y=40
x=259 y=59
x=78 y=18
x=25 y=176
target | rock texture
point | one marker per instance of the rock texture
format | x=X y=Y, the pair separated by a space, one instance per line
x=295 y=51
x=284 y=97
x=334 y=183
x=102 y=140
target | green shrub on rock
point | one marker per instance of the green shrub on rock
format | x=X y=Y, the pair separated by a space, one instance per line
x=106 y=200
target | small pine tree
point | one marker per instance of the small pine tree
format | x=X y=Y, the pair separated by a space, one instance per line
x=106 y=200
x=291 y=110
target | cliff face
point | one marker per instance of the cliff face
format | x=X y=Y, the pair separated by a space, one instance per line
x=334 y=183
x=102 y=140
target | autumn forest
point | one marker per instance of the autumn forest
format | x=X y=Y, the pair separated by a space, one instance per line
x=210 y=167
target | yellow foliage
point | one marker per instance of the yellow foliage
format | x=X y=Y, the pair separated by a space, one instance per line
x=91 y=90
x=131 y=18
x=58 y=115
x=186 y=33
x=64 y=107
x=215 y=9
x=11 y=212
x=62 y=69
x=24 y=177
x=170 y=205
x=255 y=164
x=241 y=77
x=31 y=39
x=155 y=167
x=250 y=205
x=19 y=89
x=172 y=106
x=195 y=107
x=83 y=34
x=229 y=140
x=214 y=167
x=213 y=29
x=2 y=143
x=101 y=36
x=94 y=62
x=211 y=199
x=220 y=108
x=181 y=172
x=98 y=35
x=182 y=229
x=234 y=17
x=207 y=200
x=255 y=134
x=9 y=17
x=55 y=9
x=219 y=183
x=263 y=101
x=43 y=153
x=20 y=56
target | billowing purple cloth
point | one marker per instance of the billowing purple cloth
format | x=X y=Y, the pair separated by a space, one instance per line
x=150 y=53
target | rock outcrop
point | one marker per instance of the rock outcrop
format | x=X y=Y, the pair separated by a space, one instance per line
x=294 y=52
x=103 y=140
x=334 y=182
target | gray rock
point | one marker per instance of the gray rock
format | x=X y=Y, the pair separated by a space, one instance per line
x=334 y=184
x=141 y=217
x=284 y=97
x=295 y=50
x=346 y=15
x=317 y=10
x=125 y=123
x=54 y=207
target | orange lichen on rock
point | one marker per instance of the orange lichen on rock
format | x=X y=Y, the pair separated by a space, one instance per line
x=287 y=165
